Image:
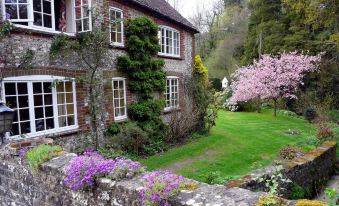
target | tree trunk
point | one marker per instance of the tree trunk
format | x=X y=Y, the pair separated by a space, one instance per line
x=275 y=107
x=258 y=104
x=93 y=110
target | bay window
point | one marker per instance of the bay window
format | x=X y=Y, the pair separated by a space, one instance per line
x=69 y=16
x=116 y=18
x=169 y=40
x=42 y=104
x=119 y=99
x=172 y=93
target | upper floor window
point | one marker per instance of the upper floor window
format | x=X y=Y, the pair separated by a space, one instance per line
x=67 y=16
x=116 y=18
x=169 y=40
x=119 y=99
x=172 y=93
x=42 y=104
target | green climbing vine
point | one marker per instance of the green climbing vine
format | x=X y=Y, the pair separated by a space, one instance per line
x=146 y=78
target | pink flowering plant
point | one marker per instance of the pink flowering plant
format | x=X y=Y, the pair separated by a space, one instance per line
x=272 y=77
x=159 y=186
x=83 y=170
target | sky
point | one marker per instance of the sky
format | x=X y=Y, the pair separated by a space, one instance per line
x=187 y=8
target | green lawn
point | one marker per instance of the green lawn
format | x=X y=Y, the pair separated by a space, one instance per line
x=240 y=142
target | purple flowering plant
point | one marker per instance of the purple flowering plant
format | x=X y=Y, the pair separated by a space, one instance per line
x=159 y=186
x=84 y=169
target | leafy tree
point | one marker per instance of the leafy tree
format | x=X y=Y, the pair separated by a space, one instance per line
x=273 y=77
x=89 y=51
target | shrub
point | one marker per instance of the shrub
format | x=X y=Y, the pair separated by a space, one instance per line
x=216 y=177
x=84 y=169
x=36 y=156
x=290 y=152
x=287 y=113
x=310 y=203
x=159 y=186
x=271 y=201
x=125 y=168
x=310 y=143
x=297 y=192
x=310 y=114
x=324 y=133
x=130 y=138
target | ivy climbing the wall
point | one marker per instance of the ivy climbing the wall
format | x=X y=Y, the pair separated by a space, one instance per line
x=146 y=79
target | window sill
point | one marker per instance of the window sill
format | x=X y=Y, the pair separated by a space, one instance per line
x=117 y=46
x=169 y=56
x=172 y=109
x=41 y=31
x=120 y=119
x=51 y=133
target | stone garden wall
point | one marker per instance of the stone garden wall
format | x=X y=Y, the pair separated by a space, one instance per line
x=311 y=172
x=20 y=187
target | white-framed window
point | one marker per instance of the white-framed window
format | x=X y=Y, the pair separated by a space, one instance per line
x=54 y=16
x=116 y=18
x=82 y=15
x=172 y=93
x=119 y=98
x=42 y=104
x=17 y=11
x=169 y=40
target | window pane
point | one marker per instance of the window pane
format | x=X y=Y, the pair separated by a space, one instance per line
x=47 y=87
x=11 y=102
x=23 y=101
x=37 y=89
x=22 y=88
x=85 y=11
x=37 y=5
x=78 y=25
x=50 y=123
x=60 y=87
x=61 y=98
x=24 y=114
x=23 y=12
x=78 y=12
x=37 y=19
x=47 y=7
x=86 y=24
x=70 y=109
x=62 y=121
x=69 y=98
x=11 y=11
x=48 y=99
x=15 y=129
x=10 y=89
x=38 y=100
x=61 y=110
x=70 y=120
x=25 y=127
x=69 y=86
x=48 y=21
x=39 y=113
x=40 y=125
x=49 y=112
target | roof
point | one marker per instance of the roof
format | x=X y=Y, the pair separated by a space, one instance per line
x=162 y=8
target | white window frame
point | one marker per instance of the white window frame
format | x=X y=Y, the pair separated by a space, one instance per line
x=31 y=23
x=43 y=78
x=124 y=117
x=164 y=53
x=122 y=27
x=29 y=13
x=82 y=16
x=30 y=20
x=177 y=106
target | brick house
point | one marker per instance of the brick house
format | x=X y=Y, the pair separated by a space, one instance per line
x=46 y=110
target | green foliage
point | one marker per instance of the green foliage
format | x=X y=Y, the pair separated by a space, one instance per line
x=297 y=192
x=333 y=195
x=145 y=78
x=205 y=101
x=145 y=73
x=37 y=156
x=217 y=178
x=310 y=114
x=6 y=28
x=308 y=144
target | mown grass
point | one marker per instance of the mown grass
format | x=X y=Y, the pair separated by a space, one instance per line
x=239 y=143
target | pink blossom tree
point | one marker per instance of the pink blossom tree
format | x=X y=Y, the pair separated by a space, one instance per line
x=272 y=77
